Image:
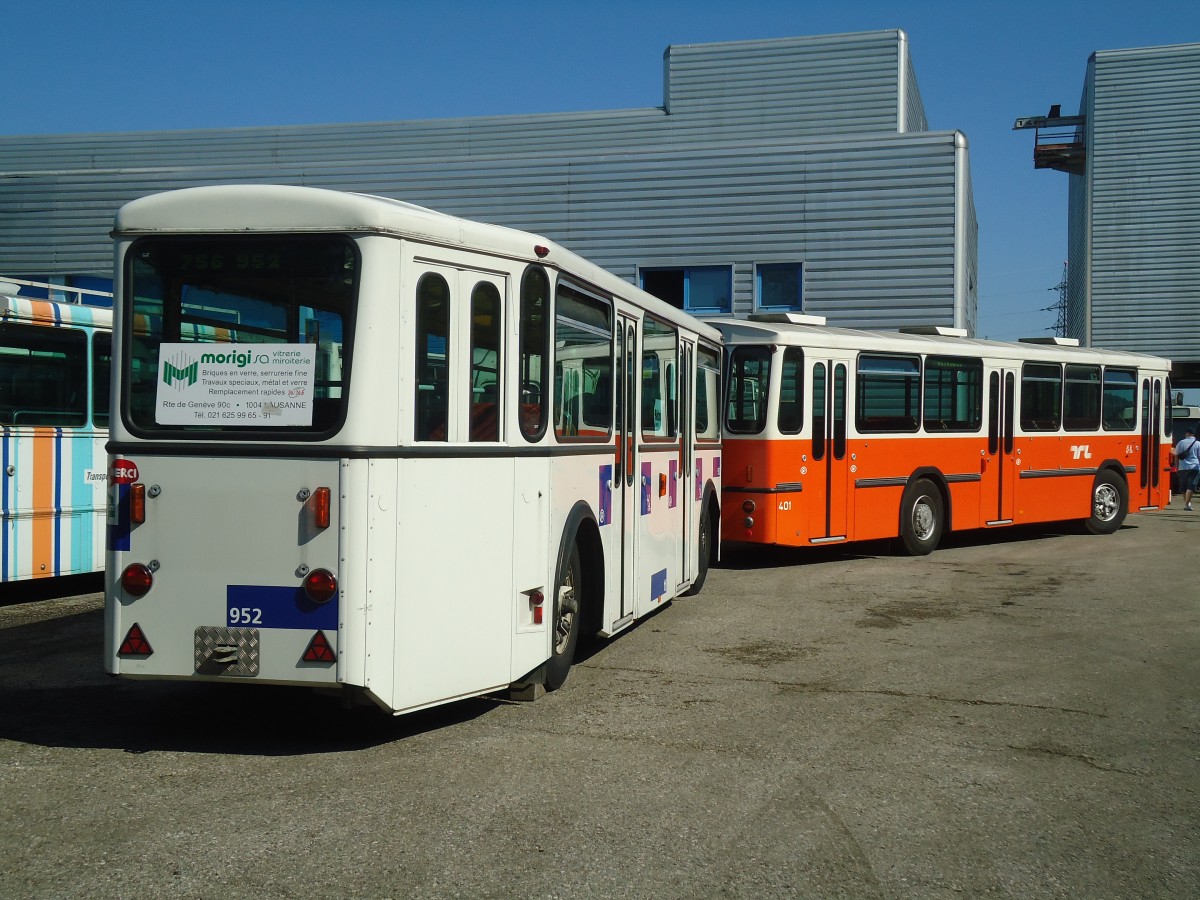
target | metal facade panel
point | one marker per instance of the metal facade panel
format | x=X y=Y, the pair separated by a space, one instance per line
x=1144 y=200
x=826 y=85
x=875 y=218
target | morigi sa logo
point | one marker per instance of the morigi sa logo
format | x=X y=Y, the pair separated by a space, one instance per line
x=124 y=472
x=180 y=371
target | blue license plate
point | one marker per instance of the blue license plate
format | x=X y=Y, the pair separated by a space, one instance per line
x=259 y=606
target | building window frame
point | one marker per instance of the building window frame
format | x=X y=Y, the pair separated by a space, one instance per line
x=793 y=304
x=686 y=295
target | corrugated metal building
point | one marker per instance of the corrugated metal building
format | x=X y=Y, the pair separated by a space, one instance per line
x=791 y=173
x=1134 y=212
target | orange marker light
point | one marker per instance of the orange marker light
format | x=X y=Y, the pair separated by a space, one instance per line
x=320 y=507
x=137 y=503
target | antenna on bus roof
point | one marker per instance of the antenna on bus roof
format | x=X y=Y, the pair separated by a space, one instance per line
x=940 y=330
x=1051 y=339
x=788 y=317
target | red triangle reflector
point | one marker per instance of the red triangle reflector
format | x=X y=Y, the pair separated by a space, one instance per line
x=135 y=643
x=319 y=650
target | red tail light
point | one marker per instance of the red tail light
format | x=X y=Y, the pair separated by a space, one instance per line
x=137 y=580
x=135 y=643
x=319 y=650
x=320 y=507
x=320 y=586
x=137 y=503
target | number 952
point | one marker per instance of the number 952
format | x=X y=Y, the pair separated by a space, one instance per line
x=245 y=615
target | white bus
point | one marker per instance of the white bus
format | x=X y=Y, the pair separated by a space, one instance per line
x=54 y=394
x=361 y=445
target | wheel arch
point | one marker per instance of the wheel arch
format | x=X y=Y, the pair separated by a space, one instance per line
x=1114 y=465
x=582 y=529
x=935 y=476
x=710 y=505
x=1112 y=472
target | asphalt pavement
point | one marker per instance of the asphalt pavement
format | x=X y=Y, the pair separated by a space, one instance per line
x=1014 y=715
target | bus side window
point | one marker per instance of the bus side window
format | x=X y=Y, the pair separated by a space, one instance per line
x=432 y=409
x=791 y=391
x=485 y=362
x=43 y=375
x=953 y=396
x=660 y=351
x=583 y=344
x=888 y=395
x=534 y=352
x=101 y=370
x=1120 y=399
x=1081 y=398
x=708 y=394
x=1041 y=396
x=749 y=377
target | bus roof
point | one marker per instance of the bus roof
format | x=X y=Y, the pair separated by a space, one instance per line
x=53 y=312
x=274 y=208
x=736 y=331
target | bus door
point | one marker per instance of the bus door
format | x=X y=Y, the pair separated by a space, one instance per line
x=826 y=482
x=458 y=399
x=625 y=484
x=1150 y=462
x=684 y=472
x=998 y=470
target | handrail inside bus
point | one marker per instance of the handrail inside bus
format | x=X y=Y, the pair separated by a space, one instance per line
x=12 y=287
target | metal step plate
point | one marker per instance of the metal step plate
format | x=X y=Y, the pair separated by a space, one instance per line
x=227 y=651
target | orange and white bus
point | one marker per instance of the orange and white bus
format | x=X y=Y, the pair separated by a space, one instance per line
x=54 y=394
x=834 y=434
x=364 y=446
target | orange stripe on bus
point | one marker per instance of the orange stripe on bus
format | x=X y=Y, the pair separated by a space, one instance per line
x=42 y=521
x=43 y=311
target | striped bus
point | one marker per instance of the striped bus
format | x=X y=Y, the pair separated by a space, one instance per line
x=54 y=397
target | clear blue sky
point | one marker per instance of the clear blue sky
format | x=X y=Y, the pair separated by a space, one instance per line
x=125 y=65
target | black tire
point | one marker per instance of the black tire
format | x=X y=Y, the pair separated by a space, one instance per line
x=565 y=622
x=1110 y=502
x=703 y=552
x=922 y=517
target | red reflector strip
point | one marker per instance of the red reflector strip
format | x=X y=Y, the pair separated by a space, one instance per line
x=319 y=650
x=135 y=643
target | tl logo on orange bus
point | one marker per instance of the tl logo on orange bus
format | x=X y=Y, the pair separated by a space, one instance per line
x=1081 y=451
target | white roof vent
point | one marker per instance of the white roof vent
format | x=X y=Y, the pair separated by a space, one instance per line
x=939 y=330
x=790 y=318
x=1054 y=341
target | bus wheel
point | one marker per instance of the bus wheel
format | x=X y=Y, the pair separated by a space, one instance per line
x=921 y=517
x=568 y=595
x=703 y=551
x=1110 y=500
